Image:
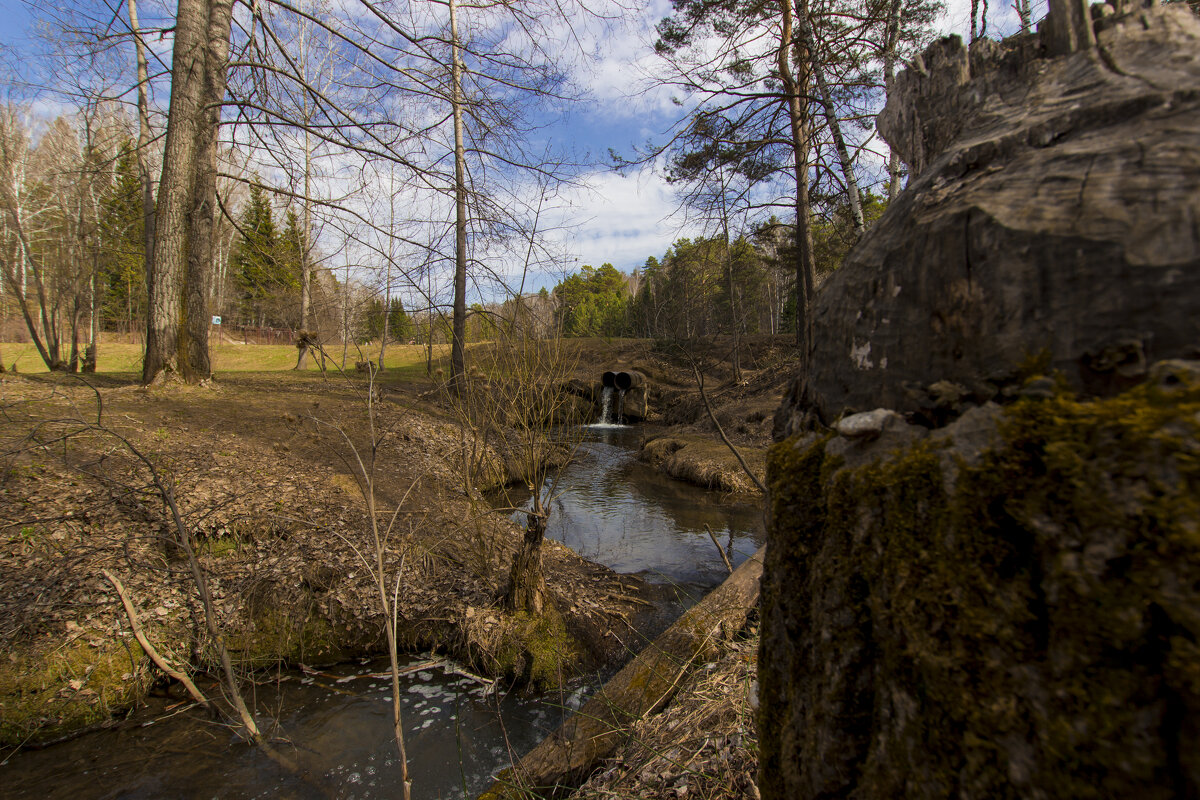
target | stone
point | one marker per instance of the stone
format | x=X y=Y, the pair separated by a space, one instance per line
x=1175 y=375
x=864 y=425
x=1038 y=389
x=1051 y=210
x=962 y=443
x=893 y=433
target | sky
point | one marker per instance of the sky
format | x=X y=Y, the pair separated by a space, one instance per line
x=617 y=218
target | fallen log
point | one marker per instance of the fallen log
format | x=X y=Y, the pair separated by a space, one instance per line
x=564 y=759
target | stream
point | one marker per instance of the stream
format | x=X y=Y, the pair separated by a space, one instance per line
x=337 y=722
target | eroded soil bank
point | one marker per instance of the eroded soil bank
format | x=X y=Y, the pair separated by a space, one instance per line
x=264 y=468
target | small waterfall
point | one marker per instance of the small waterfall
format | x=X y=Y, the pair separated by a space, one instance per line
x=621 y=408
x=606 y=402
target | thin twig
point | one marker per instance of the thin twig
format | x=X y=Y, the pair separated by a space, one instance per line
x=717 y=545
x=721 y=431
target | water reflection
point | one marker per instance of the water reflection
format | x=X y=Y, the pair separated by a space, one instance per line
x=336 y=728
x=337 y=725
x=614 y=510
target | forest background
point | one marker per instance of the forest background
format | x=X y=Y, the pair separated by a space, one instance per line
x=334 y=210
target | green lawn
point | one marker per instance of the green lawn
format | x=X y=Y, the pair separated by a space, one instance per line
x=401 y=361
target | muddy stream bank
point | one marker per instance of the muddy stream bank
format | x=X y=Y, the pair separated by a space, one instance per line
x=335 y=721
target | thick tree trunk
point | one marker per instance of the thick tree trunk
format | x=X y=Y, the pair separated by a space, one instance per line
x=194 y=353
x=164 y=279
x=459 y=327
x=526 y=583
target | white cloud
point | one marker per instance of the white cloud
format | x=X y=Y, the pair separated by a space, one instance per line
x=617 y=72
x=620 y=219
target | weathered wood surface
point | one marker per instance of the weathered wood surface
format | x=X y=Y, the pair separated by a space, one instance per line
x=564 y=759
x=1052 y=208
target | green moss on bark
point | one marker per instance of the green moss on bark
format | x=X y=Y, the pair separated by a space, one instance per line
x=537 y=650
x=1032 y=633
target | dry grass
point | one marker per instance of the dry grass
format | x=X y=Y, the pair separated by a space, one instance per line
x=705 y=462
x=121 y=357
x=704 y=745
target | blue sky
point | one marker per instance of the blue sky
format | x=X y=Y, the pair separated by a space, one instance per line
x=621 y=219
x=14 y=20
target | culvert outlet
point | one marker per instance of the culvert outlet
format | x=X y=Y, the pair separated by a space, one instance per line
x=630 y=379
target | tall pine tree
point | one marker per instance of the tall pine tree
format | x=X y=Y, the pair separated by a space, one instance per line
x=123 y=253
x=265 y=264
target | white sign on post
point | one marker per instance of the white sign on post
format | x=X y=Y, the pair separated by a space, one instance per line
x=216 y=320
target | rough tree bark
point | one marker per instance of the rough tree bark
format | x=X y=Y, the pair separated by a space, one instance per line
x=201 y=32
x=526 y=583
x=196 y=362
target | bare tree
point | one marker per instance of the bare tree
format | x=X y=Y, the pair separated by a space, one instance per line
x=143 y=138
x=50 y=225
x=507 y=404
x=385 y=561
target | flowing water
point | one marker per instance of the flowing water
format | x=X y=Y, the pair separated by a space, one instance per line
x=337 y=724
x=606 y=403
x=614 y=510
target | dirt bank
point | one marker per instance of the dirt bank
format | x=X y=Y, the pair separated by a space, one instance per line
x=264 y=471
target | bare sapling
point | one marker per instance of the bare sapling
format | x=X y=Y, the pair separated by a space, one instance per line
x=388 y=552
x=720 y=430
x=515 y=401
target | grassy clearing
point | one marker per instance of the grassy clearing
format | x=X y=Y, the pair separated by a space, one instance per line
x=402 y=361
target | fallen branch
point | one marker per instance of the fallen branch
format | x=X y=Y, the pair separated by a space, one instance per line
x=158 y=660
x=567 y=756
